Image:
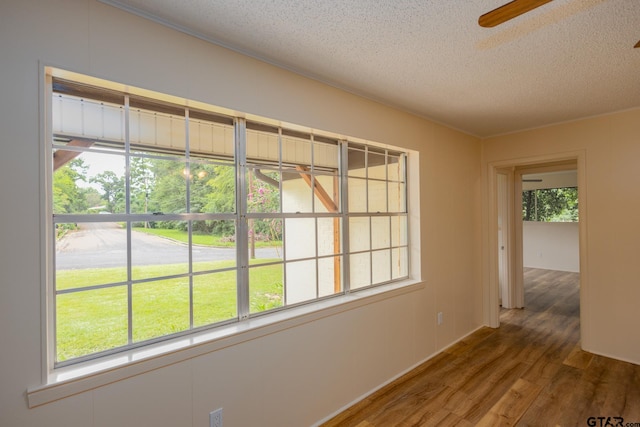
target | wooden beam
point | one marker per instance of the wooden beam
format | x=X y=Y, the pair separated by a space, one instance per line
x=318 y=190
x=331 y=206
x=62 y=157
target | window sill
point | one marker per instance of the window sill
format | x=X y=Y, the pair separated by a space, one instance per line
x=71 y=380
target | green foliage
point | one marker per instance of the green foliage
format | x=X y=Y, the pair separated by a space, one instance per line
x=168 y=192
x=264 y=198
x=62 y=229
x=68 y=197
x=141 y=181
x=222 y=192
x=113 y=190
x=550 y=205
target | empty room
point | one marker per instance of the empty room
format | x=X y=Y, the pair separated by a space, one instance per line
x=276 y=213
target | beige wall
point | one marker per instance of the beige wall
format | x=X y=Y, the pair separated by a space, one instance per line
x=551 y=245
x=609 y=206
x=293 y=377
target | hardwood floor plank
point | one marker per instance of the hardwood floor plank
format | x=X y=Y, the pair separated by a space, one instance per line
x=562 y=401
x=578 y=358
x=464 y=345
x=530 y=371
x=510 y=408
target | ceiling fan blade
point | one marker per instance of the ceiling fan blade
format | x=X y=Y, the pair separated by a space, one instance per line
x=509 y=11
x=637 y=44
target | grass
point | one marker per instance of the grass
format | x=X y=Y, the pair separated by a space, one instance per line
x=199 y=239
x=94 y=320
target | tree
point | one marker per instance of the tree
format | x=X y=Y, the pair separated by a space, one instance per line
x=551 y=205
x=68 y=197
x=222 y=190
x=141 y=184
x=113 y=189
x=264 y=197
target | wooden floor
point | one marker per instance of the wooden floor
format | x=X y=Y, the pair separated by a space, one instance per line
x=529 y=372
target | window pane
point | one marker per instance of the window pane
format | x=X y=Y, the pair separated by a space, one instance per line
x=381 y=261
x=329 y=276
x=88 y=182
x=87 y=118
x=397 y=197
x=89 y=254
x=301 y=281
x=142 y=181
x=300 y=235
x=263 y=191
x=90 y=321
x=155 y=129
x=357 y=195
x=263 y=147
x=265 y=239
x=296 y=151
x=395 y=168
x=377 y=196
x=214 y=245
x=359 y=234
x=160 y=308
x=327 y=197
x=296 y=192
x=400 y=262
x=168 y=188
x=376 y=168
x=398 y=231
x=265 y=288
x=214 y=298
x=329 y=236
x=160 y=251
x=360 y=274
x=207 y=137
x=212 y=188
x=326 y=155
x=357 y=163
x=380 y=232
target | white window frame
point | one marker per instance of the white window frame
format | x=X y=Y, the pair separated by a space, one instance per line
x=189 y=342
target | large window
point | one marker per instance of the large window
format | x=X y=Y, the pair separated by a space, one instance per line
x=550 y=205
x=168 y=219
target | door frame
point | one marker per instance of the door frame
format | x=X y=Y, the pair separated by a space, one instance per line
x=567 y=160
x=505 y=212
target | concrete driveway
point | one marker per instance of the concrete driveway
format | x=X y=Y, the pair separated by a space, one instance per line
x=105 y=245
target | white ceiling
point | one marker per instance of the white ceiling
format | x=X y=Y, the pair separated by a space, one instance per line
x=565 y=60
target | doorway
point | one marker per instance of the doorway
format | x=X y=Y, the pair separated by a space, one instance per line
x=506 y=252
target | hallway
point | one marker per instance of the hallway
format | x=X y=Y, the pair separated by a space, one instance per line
x=530 y=372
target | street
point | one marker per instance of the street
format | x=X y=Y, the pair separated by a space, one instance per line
x=105 y=245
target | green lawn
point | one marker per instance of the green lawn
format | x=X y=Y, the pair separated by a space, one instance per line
x=96 y=319
x=198 y=239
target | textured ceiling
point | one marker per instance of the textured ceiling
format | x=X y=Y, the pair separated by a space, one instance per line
x=565 y=60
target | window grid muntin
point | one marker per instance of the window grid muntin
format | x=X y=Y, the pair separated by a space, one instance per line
x=284 y=214
x=341 y=200
x=388 y=213
x=129 y=219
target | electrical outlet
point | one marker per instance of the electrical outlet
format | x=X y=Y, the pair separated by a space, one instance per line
x=215 y=418
x=440 y=318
